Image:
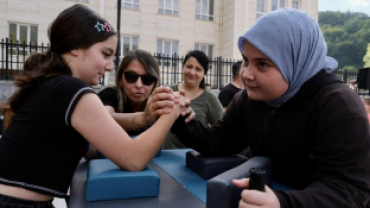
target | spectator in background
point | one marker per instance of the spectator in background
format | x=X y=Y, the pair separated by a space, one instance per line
x=204 y=103
x=136 y=79
x=136 y=101
x=228 y=92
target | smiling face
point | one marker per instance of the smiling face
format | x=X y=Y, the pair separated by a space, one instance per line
x=260 y=75
x=193 y=72
x=90 y=64
x=137 y=93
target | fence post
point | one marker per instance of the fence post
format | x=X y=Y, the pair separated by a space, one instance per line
x=6 y=58
x=18 y=45
x=345 y=76
x=219 y=69
x=175 y=68
x=2 y=59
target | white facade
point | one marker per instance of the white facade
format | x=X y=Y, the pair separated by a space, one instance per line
x=157 y=26
x=144 y=26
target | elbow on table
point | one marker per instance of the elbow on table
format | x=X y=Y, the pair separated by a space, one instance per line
x=134 y=166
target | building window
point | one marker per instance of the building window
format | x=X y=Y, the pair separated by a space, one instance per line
x=296 y=4
x=207 y=49
x=87 y=1
x=204 y=9
x=23 y=33
x=167 y=47
x=260 y=8
x=128 y=43
x=170 y=7
x=165 y=50
x=130 y=4
x=277 y=4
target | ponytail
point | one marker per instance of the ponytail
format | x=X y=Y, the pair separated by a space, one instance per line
x=37 y=67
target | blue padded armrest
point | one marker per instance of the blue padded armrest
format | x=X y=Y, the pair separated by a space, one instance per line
x=222 y=193
x=209 y=167
x=106 y=181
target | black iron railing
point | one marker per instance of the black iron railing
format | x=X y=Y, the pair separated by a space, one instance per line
x=13 y=55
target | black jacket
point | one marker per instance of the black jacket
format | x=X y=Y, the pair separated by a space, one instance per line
x=319 y=142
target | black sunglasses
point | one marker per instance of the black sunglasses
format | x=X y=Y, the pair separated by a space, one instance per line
x=146 y=79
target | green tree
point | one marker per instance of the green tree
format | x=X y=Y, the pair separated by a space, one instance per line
x=347 y=35
x=367 y=57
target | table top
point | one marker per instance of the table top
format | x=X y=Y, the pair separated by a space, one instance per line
x=171 y=194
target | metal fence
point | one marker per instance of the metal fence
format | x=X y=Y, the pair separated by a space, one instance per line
x=218 y=75
x=13 y=55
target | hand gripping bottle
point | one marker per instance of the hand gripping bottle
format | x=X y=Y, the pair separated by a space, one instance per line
x=257 y=179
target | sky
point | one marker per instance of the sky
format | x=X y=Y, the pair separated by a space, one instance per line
x=345 y=5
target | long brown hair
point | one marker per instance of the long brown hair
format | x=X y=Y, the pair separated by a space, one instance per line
x=150 y=65
x=73 y=28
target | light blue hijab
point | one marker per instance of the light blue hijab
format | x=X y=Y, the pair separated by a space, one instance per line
x=294 y=42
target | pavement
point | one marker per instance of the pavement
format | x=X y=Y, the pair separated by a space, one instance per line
x=59 y=203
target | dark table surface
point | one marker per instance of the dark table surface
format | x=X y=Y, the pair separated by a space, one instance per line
x=171 y=194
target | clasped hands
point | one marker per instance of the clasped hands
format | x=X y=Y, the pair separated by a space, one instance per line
x=162 y=100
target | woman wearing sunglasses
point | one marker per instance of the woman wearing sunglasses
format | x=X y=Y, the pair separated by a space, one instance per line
x=129 y=103
x=204 y=103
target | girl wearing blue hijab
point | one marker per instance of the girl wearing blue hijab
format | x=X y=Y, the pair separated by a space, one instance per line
x=295 y=112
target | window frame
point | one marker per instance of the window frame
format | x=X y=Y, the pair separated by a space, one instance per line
x=131 y=44
x=209 y=48
x=278 y=4
x=163 y=46
x=164 y=61
x=260 y=13
x=28 y=50
x=298 y=4
x=131 y=2
x=172 y=9
x=208 y=15
x=84 y=1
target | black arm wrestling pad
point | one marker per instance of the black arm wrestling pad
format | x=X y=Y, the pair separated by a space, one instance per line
x=222 y=193
x=208 y=167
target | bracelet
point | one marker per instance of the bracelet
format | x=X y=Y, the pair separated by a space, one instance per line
x=133 y=126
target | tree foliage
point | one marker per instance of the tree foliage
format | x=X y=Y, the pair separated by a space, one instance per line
x=367 y=57
x=347 y=35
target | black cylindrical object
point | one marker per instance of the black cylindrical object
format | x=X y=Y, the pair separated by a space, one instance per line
x=257 y=179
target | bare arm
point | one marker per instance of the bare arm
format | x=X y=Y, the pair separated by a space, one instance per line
x=98 y=127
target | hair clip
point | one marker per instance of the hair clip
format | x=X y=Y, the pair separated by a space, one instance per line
x=108 y=27
x=99 y=26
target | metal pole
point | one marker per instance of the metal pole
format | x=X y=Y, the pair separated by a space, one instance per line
x=118 y=32
x=6 y=58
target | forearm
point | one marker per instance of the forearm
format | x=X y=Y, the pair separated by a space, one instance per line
x=149 y=142
x=206 y=140
x=127 y=121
